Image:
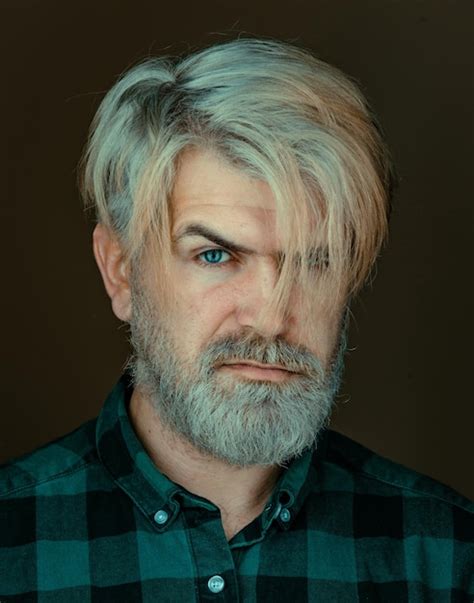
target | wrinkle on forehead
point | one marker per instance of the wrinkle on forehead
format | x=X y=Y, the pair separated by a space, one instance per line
x=182 y=205
x=225 y=211
x=203 y=175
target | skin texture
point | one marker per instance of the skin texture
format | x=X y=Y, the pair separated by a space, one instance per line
x=212 y=303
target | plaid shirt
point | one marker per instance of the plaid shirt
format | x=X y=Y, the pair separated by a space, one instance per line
x=90 y=518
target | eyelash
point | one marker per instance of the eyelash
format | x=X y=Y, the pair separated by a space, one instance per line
x=213 y=264
x=317 y=266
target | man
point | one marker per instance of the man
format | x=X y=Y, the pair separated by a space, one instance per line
x=242 y=196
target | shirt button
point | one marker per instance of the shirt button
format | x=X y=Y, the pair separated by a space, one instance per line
x=216 y=584
x=285 y=515
x=161 y=517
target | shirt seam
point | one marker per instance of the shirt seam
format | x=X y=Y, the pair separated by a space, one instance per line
x=415 y=490
x=49 y=479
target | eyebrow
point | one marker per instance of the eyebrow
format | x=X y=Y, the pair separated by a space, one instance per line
x=195 y=229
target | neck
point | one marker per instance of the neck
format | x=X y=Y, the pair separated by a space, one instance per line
x=239 y=492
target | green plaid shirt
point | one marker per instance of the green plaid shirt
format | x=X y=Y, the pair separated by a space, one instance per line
x=90 y=518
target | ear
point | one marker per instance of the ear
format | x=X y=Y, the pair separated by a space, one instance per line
x=109 y=257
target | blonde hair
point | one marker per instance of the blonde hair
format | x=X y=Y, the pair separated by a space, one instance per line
x=274 y=111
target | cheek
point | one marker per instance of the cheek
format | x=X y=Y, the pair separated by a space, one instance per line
x=199 y=314
x=332 y=336
x=321 y=333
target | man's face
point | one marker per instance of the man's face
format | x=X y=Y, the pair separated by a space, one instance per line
x=197 y=360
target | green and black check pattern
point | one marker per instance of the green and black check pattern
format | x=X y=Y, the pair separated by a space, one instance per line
x=79 y=523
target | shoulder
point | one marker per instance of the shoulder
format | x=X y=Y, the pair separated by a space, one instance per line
x=60 y=459
x=371 y=474
x=401 y=534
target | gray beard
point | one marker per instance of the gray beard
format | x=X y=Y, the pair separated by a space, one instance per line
x=238 y=421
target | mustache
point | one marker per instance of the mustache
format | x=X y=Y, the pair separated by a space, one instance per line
x=294 y=358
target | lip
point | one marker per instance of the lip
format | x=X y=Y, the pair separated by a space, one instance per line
x=257 y=365
x=258 y=371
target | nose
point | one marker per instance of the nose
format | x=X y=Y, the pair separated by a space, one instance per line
x=253 y=308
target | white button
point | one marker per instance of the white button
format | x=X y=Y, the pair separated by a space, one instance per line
x=161 y=517
x=216 y=584
x=285 y=515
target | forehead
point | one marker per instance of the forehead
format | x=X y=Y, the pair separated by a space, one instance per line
x=210 y=188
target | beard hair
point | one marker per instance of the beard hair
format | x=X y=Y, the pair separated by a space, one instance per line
x=239 y=422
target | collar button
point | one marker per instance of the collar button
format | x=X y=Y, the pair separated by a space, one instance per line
x=161 y=517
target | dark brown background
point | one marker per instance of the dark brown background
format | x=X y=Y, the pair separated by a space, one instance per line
x=410 y=376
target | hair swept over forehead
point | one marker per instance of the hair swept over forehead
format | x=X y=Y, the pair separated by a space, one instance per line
x=269 y=108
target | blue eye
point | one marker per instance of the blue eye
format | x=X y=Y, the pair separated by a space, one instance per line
x=212 y=257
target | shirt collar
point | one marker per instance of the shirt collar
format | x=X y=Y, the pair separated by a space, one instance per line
x=130 y=466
